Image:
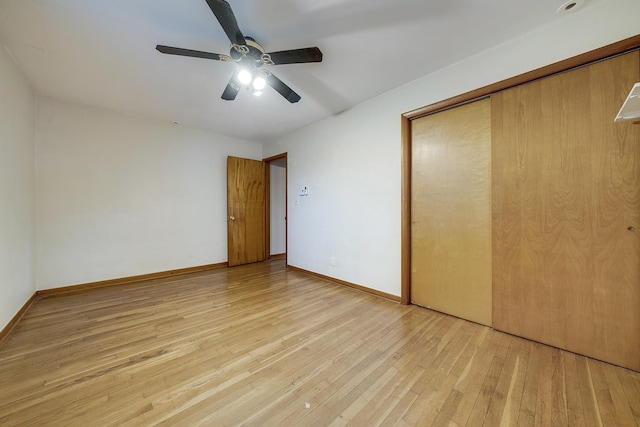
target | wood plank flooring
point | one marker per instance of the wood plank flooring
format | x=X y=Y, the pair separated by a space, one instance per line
x=261 y=345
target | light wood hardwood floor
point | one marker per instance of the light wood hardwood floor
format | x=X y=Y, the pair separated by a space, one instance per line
x=260 y=345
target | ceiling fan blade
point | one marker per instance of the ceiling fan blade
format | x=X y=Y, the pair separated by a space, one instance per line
x=232 y=89
x=222 y=10
x=188 y=52
x=282 y=89
x=296 y=56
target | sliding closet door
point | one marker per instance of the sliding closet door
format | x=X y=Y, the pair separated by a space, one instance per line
x=566 y=212
x=451 y=212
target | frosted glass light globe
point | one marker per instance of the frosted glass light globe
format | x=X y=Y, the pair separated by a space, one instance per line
x=259 y=83
x=244 y=77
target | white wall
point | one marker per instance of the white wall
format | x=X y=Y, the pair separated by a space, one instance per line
x=278 y=185
x=17 y=113
x=120 y=196
x=352 y=162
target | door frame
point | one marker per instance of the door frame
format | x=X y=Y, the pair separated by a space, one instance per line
x=618 y=48
x=267 y=239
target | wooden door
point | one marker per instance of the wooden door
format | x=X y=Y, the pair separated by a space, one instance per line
x=246 y=210
x=451 y=212
x=566 y=187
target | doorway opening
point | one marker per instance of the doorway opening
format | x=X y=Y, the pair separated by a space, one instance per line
x=277 y=206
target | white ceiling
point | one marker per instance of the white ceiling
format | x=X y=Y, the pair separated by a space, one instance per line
x=102 y=52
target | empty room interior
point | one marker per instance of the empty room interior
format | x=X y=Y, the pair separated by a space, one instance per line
x=313 y=213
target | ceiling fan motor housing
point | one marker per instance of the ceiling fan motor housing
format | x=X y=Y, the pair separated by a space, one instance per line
x=255 y=51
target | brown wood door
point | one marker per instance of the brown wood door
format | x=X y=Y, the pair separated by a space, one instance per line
x=566 y=189
x=246 y=210
x=451 y=212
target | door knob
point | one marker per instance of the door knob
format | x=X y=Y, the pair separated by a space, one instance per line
x=232 y=218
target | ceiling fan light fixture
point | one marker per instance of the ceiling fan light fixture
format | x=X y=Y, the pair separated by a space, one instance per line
x=259 y=83
x=245 y=77
x=250 y=56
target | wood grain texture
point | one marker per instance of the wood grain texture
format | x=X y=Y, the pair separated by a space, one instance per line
x=566 y=270
x=251 y=345
x=451 y=211
x=604 y=52
x=246 y=204
x=15 y=319
x=405 y=296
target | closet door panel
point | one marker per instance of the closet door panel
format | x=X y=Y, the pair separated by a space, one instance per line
x=451 y=212
x=565 y=188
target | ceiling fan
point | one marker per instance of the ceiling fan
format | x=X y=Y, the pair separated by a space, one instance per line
x=250 y=56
